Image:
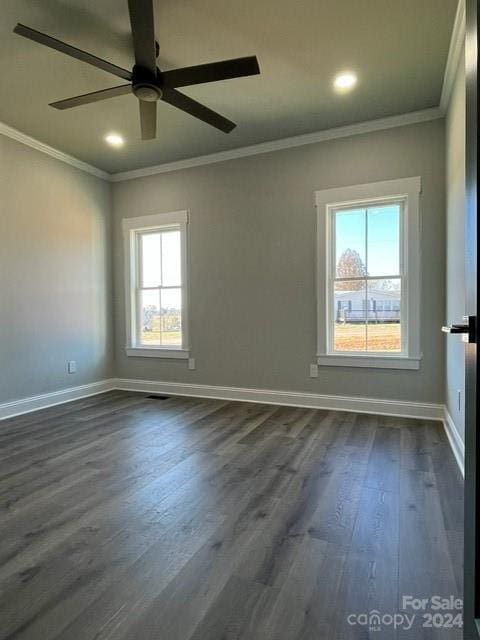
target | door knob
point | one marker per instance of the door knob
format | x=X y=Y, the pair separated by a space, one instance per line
x=467 y=327
x=456 y=328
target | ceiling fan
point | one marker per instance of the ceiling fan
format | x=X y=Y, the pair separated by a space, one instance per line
x=146 y=80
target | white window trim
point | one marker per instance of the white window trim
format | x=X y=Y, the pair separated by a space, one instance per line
x=408 y=189
x=130 y=227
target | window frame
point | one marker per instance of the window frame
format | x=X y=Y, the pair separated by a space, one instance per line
x=133 y=229
x=402 y=274
x=407 y=191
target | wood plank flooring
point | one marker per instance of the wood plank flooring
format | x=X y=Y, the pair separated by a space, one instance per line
x=130 y=518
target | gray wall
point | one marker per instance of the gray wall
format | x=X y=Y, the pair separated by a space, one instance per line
x=455 y=220
x=252 y=257
x=54 y=273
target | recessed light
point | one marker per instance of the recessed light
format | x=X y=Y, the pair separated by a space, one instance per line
x=345 y=81
x=114 y=140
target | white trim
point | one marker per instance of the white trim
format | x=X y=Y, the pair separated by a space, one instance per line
x=159 y=352
x=326 y=201
x=285 y=143
x=10 y=132
x=370 y=190
x=400 y=408
x=454 y=438
x=44 y=400
x=456 y=44
x=131 y=227
x=140 y=223
x=370 y=361
x=357 y=128
x=288 y=398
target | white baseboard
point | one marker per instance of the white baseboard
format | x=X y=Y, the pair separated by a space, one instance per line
x=44 y=400
x=456 y=443
x=399 y=408
x=288 y=398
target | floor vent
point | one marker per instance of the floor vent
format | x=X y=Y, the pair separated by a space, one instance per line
x=158 y=397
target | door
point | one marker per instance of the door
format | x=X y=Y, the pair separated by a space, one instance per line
x=472 y=398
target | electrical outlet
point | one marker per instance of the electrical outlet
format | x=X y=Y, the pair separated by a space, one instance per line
x=72 y=366
x=314 y=371
x=191 y=364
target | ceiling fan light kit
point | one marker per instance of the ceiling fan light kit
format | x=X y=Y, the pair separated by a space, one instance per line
x=146 y=81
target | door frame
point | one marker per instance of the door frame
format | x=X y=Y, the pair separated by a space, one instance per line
x=472 y=396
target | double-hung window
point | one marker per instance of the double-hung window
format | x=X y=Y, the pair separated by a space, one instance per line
x=156 y=285
x=369 y=275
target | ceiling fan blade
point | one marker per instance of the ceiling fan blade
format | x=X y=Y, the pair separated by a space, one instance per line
x=53 y=43
x=211 y=72
x=94 y=96
x=148 y=119
x=143 y=33
x=200 y=111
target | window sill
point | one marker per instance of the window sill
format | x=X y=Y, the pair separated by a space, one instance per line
x=370 y=361
x=146 y=352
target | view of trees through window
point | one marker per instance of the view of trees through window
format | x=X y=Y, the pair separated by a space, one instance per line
x=367 y=292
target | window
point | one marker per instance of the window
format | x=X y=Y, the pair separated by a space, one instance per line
x=156 y=285
x=367 y=268
x=368 y=275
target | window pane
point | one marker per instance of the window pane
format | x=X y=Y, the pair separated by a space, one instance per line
x=150 y=260
x=150 y=317
x=349 y=311
x=350 y=257
x=383 y=245
x=384 y=330
x=171 y=325
x=171 y=264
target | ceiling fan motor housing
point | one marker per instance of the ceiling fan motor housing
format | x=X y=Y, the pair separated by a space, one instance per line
x=145 y=86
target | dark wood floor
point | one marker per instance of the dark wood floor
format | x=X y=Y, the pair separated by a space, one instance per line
x=129 y=518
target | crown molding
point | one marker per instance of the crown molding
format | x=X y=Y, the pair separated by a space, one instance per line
x=242 y=152
x=10 y=132
x=456 y=44
x=284 y=143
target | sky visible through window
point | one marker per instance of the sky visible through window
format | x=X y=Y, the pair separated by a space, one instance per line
x=380 y=253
